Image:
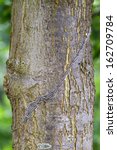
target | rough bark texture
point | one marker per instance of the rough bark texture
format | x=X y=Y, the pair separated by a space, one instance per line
x=46 y=36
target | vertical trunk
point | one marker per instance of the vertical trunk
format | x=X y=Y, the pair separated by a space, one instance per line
x=46 y=37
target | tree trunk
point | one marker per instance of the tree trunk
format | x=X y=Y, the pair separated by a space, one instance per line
x=49 y=79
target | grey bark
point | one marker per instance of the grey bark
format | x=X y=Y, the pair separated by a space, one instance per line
x=49 y=79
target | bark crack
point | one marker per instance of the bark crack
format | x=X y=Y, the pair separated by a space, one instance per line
x=77 y=59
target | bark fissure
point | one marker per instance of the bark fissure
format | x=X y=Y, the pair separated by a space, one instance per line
x=77 y=60
x=49 y=77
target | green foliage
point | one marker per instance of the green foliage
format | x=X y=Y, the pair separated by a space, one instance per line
x=95 y=40
x=96 y=144
x=5 y=125
x=5 y=110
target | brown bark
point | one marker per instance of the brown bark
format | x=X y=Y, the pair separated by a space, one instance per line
x=46 y=36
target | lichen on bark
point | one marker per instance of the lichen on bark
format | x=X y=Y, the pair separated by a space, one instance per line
x=45 y=38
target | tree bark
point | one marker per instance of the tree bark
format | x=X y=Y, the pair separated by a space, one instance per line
x=46 y=37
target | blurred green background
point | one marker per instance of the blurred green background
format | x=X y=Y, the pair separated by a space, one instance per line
x=5 y=109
